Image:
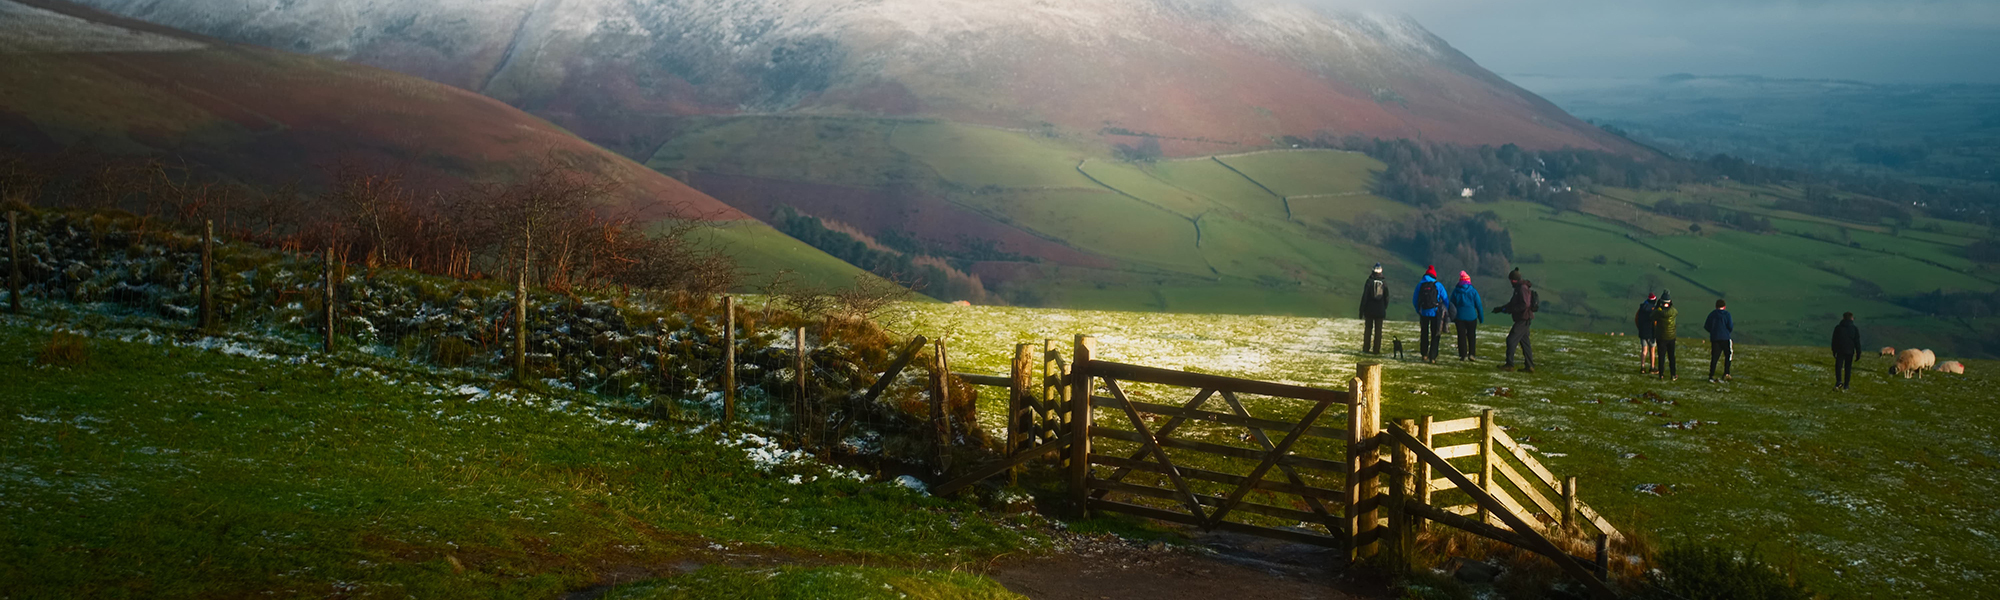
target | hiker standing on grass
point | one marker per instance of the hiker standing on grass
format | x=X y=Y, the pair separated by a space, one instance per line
x=1664 y=322
x=1720 y=327
x=1374 y=308
x=1467 y=313
x=1522 y=306
x=1846 y=350
x=1432 y=303
x=1644 y=321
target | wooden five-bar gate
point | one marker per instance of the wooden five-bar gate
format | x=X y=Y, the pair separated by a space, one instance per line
x=1295 y=473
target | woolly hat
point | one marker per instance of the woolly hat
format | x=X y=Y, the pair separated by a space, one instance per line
x=1666 y=296
x=1514 y=275
x=1464 y=278
x=1652 y=296
x=1378 y=267
x=1431 y=270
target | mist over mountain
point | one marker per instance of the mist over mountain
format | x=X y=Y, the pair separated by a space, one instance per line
x=1200 y=75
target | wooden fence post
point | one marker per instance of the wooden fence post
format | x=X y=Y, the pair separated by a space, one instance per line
x=331 y=280
x=802 y=406
x=728 y=361
x=1080 y=420
x=1486 y=460
x=1364 y=421
x=1402 y=536
x=208 y=276
x=1569 y=504
x=521 y=324
x=940 y=396
x=1423 y=470
x=1603 y=558
x=1020 y=401
x=14 y=262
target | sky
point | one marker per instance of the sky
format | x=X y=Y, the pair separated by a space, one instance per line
x=1880 y=41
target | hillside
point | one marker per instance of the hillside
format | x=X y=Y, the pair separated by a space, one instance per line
x=1202 y=76
x=77 y=81
x=1776 y=461
x=1115 y=211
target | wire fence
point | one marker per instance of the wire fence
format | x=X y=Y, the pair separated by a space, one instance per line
x=813 y=379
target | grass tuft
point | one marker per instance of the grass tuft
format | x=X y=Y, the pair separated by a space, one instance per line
x=1706 y=572
x=63 y=349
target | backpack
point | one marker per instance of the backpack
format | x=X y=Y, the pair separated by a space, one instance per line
x=1644 y=319
x=1377 y=291
x=1428 y=298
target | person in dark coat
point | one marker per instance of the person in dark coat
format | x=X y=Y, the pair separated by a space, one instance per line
x=1467 y=313
x=1846 y=350
x=1522 y=307
x=1666 y=323
x=1720 y=327
x=1432 y=303
x=1643 y=320
x=1374 y=309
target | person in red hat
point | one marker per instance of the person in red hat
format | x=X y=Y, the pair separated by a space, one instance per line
x=1432 y=302
x=1468 y=311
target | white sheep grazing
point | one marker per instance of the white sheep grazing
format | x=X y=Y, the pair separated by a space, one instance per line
x=1912 y=362
x=1952 y=366
x=1888 y=351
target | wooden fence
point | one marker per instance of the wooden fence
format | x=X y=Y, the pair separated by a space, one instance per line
x=1342 y=495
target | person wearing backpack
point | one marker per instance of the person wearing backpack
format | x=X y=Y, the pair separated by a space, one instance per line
x=1647 y=343
x=1523 y=307
x=1374 y=309
x=1432 y=303
x=1720 y=328
x=1467 y=313
x=1664 y=324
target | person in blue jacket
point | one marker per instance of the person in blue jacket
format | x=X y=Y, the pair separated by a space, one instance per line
x=1467 y=313
x=1432 y=302
x=1720 y=327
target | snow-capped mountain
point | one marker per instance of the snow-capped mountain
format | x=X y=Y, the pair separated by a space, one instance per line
x=1201 y=74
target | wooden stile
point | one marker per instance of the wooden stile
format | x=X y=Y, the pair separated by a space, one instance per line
x=1423 y=469
x=1569 y=504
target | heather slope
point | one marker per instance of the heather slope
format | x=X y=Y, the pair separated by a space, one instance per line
x=77 y=81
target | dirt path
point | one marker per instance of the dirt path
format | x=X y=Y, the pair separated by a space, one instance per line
x=1233 y=566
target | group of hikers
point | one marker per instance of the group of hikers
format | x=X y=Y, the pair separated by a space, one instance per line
x=1467 y=311
x=1657 y=321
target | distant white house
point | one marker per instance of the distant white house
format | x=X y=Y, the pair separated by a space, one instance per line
x=1466 y=193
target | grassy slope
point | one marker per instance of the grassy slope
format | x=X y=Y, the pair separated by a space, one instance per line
x=161 y=471
x=1253 y=255
x=1885 y=491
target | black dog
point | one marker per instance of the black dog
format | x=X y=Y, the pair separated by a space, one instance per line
x=1399 y=348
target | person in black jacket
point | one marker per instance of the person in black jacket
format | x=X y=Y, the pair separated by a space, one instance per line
x=1720 y=328
x=1846 y=350
x=1374 y=309
x=1522 y=306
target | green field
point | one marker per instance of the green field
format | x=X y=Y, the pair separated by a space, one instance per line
x=1882 y=492
x=1260 y=232
x=158 y=470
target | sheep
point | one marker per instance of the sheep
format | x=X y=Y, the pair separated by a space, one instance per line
x=1952 y=366
x=1888 y=351
x=1912 y=362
